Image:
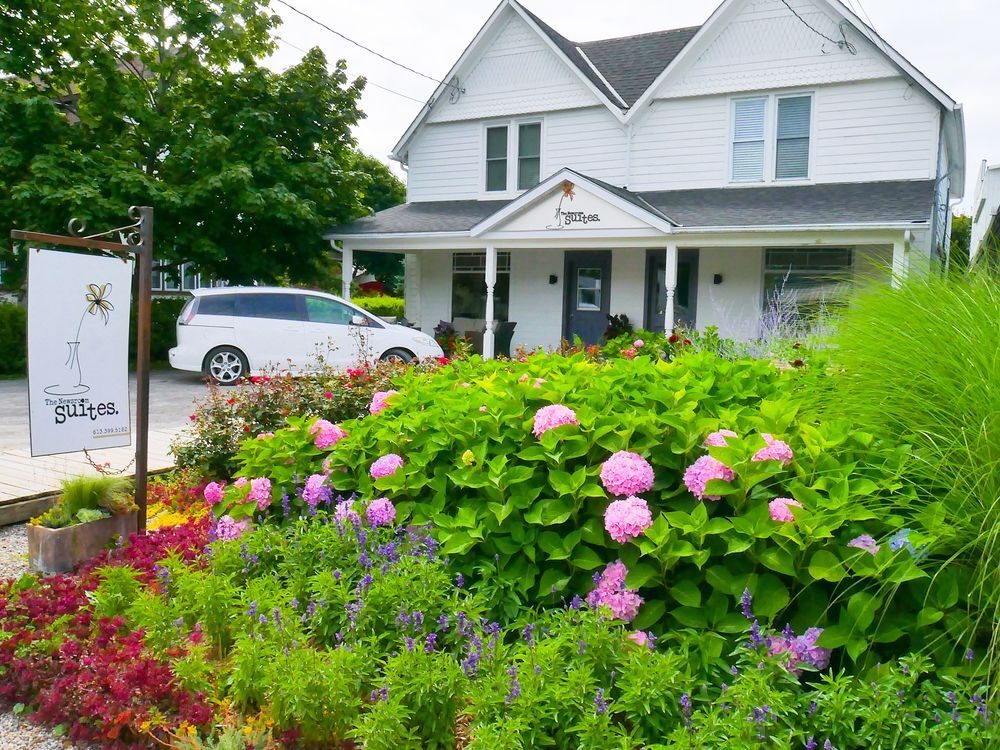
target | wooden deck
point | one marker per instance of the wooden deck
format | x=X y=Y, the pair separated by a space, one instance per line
x=22 y=476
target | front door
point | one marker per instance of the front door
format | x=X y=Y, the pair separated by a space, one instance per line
x=685 y=295
x=588 y=295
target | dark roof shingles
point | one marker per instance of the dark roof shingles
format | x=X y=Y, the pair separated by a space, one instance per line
x=902 y=201
x=425 y=216
x=631 y=64
x=793 y=205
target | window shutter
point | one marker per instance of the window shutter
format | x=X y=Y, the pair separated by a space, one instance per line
x=792 y=152
x=748 y=139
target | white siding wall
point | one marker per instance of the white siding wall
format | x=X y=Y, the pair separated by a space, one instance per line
x=516 y=73
x=762 y=45
x=435 y=288
x=733 y=306
x=589 y=140
x=535 y=304
x=445 y=162
x=874 y=130
x=682 y=143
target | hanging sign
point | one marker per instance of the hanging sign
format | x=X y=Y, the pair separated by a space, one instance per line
x=78 y=324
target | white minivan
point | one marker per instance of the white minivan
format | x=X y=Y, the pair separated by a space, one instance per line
x=233 y=332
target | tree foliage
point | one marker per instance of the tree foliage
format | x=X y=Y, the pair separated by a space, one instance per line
x=165 y=103
x=961 y=237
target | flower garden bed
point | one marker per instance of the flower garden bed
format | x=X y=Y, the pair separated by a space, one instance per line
x=536 y=553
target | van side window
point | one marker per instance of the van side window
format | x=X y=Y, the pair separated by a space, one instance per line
x=217 y=304
x=273 y=306
x=322 y=310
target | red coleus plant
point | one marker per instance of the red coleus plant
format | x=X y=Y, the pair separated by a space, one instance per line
x=94 y=675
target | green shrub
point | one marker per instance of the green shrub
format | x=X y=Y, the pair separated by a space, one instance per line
x=84 y=499
x=13 y=339
x=923 y=362
x=384 y=307
x=226 y=417
x=523 y=517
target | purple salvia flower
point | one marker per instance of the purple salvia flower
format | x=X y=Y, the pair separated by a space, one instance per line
x=600 y=704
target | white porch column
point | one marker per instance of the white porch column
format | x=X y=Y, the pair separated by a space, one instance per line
x=491 y=281
x=670 y=283
x=346 y=270
x=900 y=260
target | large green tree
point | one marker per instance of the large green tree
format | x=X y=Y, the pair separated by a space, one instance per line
x=107 y=104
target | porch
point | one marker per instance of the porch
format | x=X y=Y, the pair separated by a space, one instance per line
x=563 y=256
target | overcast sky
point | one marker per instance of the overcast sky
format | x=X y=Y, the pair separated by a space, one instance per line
x=953 y=43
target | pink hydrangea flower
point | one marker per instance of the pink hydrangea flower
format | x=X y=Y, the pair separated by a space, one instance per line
x=539 y=381
x=241 y=482
x=316 y=490
x=718 y=438
x=549 y=417
x=775 y=450
x=344 y=513
x=265 y=435
x=706 y=468
x=626 y=473
x=780 y=511
x=482 y=408
x=213 y=492
x=610 y=592
x=380 y=401
x=380 y=512
x=638 y=343
x=865 y=542
x=260 y=492
x=227 y=528
x=522 y=378
x=628 y=353
x=327 y=434
x=627 y=519
x=388 y=464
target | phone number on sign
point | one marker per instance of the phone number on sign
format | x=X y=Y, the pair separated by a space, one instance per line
x=110 y=431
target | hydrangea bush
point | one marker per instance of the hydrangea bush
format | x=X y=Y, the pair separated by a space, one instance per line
x=738 y=490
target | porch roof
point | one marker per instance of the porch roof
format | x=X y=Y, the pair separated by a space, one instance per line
x=853 y=203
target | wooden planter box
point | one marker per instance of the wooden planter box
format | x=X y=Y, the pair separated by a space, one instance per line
x=61 y=550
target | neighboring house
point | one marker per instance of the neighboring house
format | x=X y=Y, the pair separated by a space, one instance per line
x=689 y=175
x=984 y=244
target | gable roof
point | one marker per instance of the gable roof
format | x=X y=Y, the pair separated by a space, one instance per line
x=624 y=72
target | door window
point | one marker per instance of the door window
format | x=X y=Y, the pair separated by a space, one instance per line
x=588 y=289
x=272 y=306
x=322 y=310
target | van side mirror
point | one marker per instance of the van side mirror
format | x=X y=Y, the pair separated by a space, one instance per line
x=359 y=320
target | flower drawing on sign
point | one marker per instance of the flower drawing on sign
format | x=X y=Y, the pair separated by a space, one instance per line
x=97 y=304
x=567 y=192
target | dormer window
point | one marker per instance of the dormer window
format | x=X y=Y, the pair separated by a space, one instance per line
x=523 y=142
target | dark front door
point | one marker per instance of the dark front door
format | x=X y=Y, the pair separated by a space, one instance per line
x=685 y=295
x=588 y=294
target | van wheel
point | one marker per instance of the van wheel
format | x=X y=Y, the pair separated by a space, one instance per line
x=397 y=355
x=225 y=365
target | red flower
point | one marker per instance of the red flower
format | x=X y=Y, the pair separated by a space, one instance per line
x=231 y=401
x=443 y=360
x=673 y=338
x=798 y=363
x=193 y=417
x=328 y=394
x=687 y=342
x=246 y=428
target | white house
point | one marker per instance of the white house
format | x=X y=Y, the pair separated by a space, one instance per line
x=984 y=244
x=683 y=175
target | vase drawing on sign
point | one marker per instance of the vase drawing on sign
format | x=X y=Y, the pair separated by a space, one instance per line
x=71 y=380
x=567 y=188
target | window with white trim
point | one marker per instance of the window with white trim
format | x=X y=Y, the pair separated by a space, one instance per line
x=513 y=155
x=749 y=120
x=496 y=159
x=529 y=155
x=802 y=283
x=791 y=150
x=771 y=138
x=468 y=286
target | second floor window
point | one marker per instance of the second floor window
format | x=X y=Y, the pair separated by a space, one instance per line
x=791 y=154
x=513 y=156
x=496 y=159
x=771 y=130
